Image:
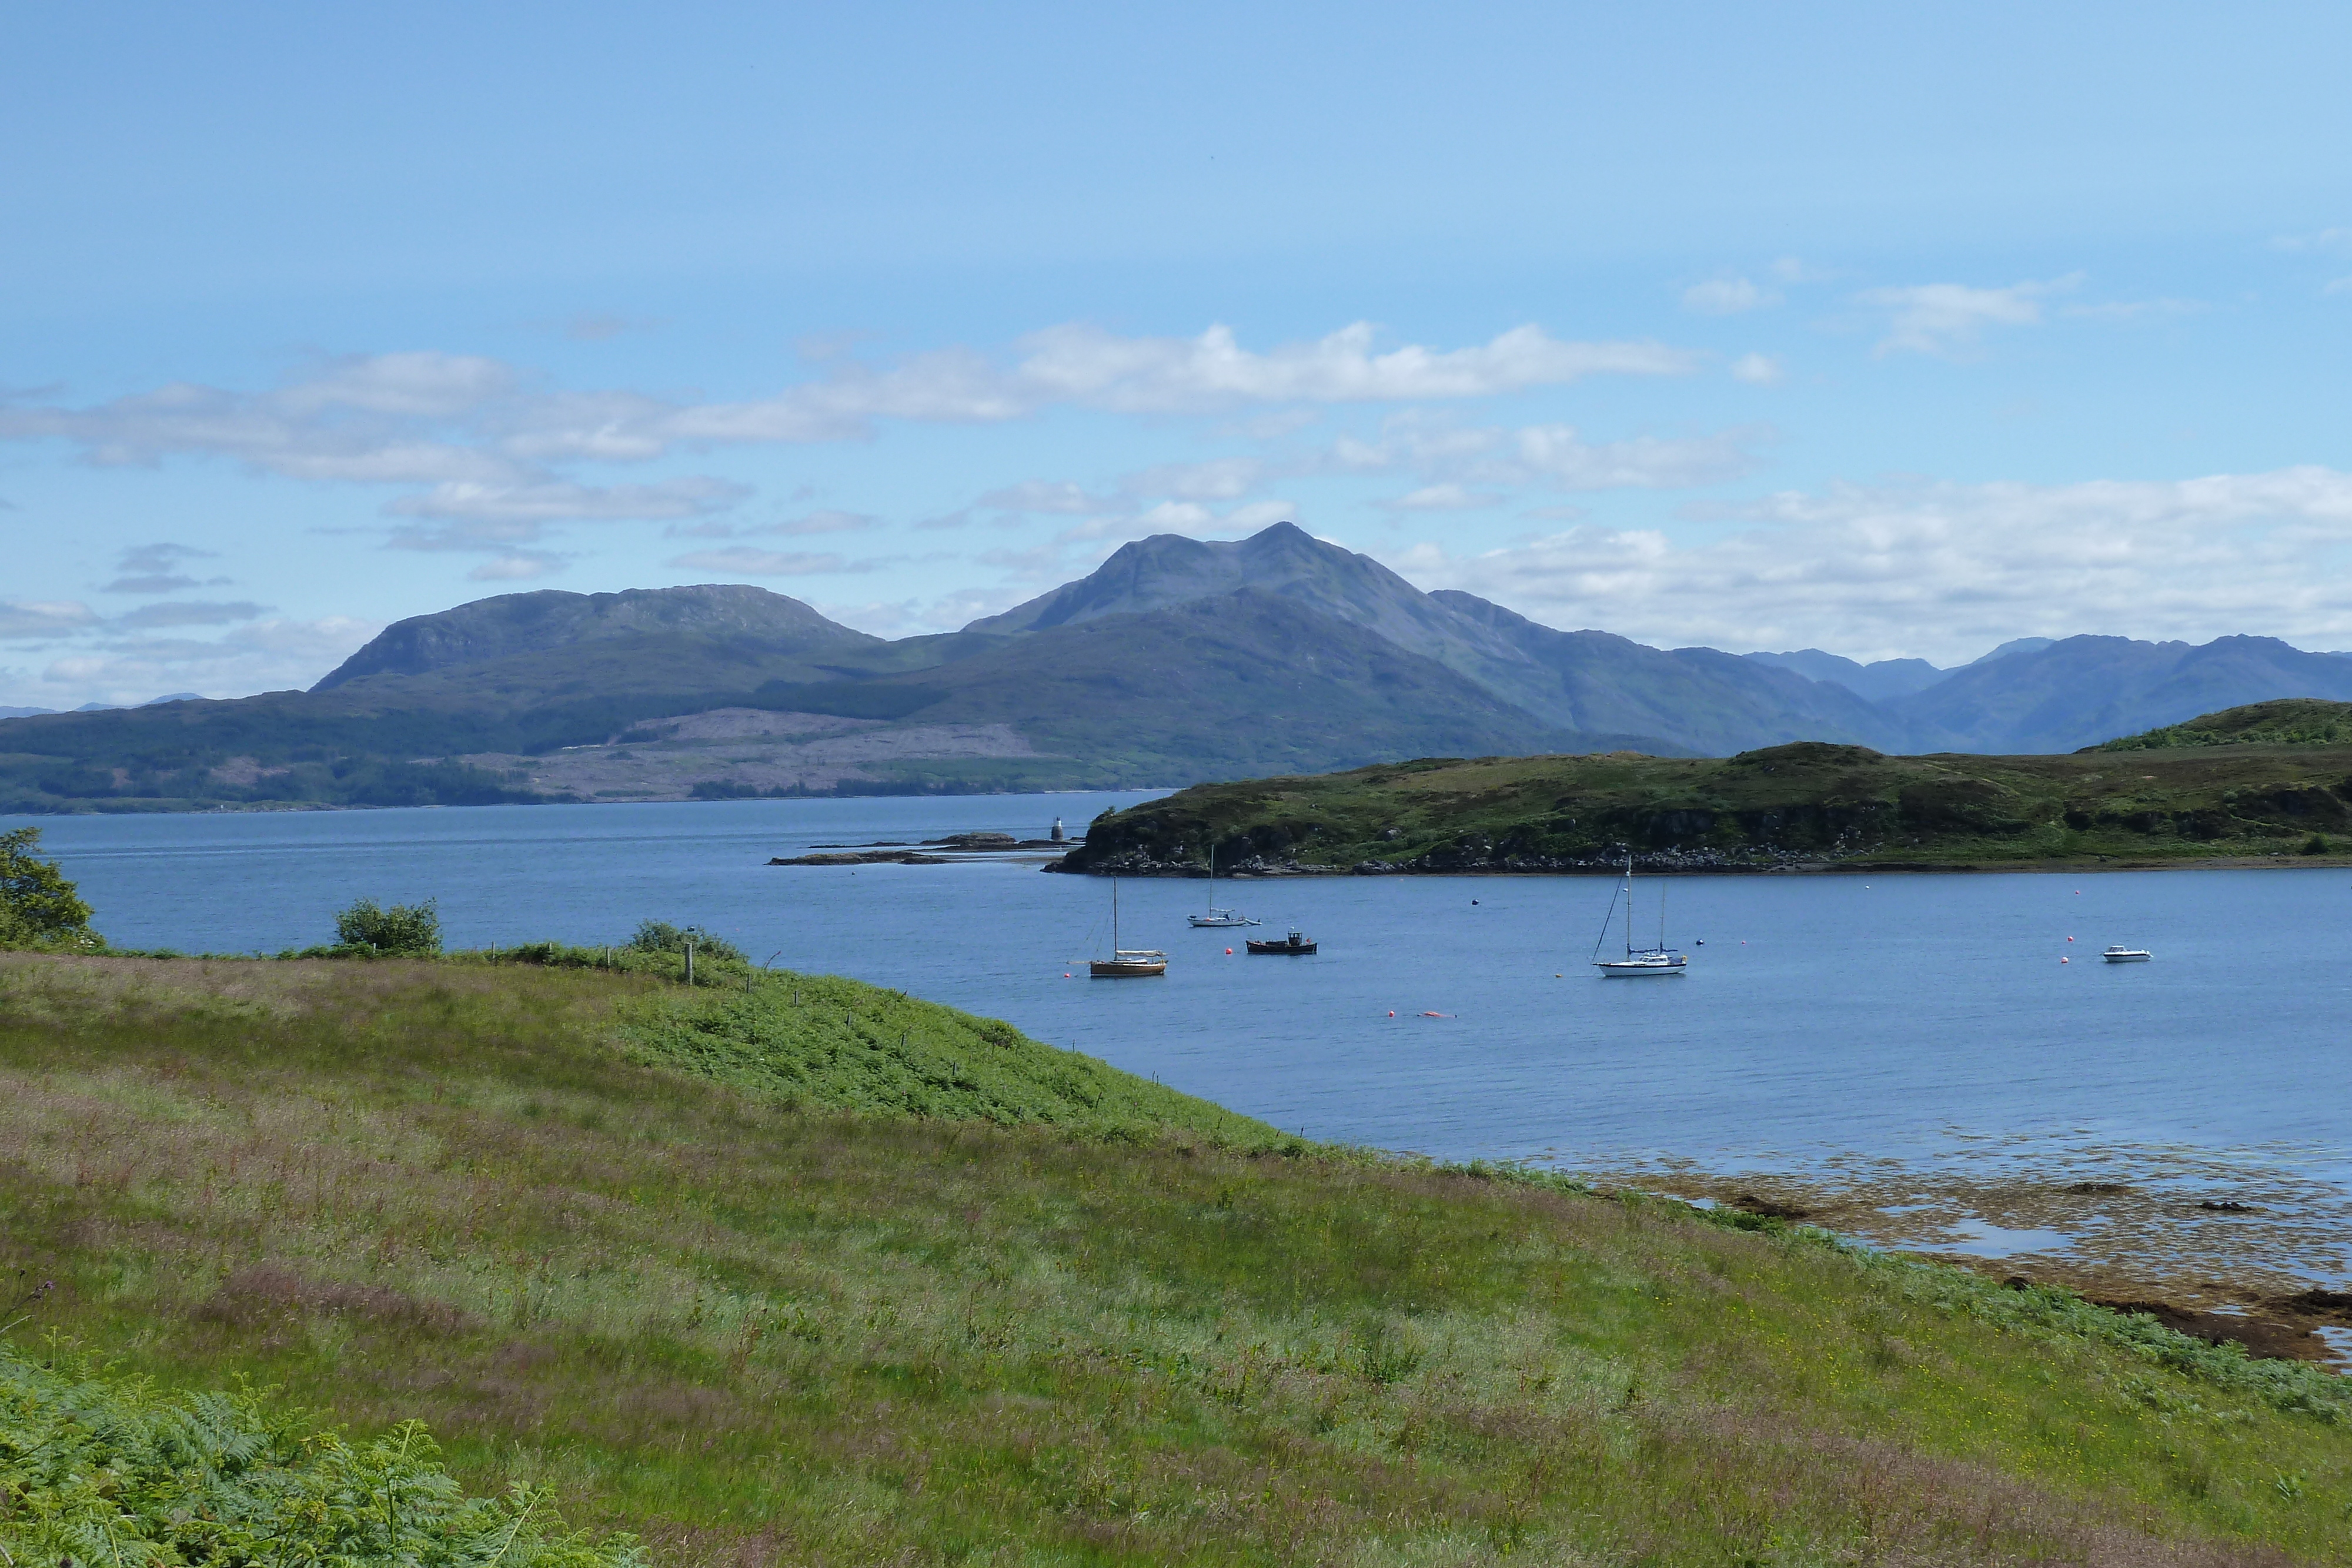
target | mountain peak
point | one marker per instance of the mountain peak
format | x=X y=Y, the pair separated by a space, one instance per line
x=547 y=618
x=1167 y=569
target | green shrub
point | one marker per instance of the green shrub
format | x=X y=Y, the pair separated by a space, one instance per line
x=405 y=930
x=2316 y=844
x=100 y=1468
x=38 y=907
x=661 y=936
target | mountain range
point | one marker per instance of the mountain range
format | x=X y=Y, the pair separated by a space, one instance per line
x=1176 y=660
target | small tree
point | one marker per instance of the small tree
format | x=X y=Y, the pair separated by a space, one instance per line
x=408 y=930
x=661 y=936
x=38 y=907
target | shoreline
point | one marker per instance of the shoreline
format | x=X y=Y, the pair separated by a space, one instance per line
x=2049 y=867
x=2240 y=1248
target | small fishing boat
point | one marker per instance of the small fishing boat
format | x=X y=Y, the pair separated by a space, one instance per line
x=1293 y=943
x=1221 y=919
x=2127 y=954
x=1638 y=962
x=1126 y=963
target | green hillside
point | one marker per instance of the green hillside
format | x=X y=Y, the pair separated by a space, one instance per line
x=613 y=1239
x=2295 y=721
x=2248 y=792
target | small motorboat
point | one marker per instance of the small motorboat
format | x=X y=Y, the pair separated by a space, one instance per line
x=2127 y=954
x=1293 y=943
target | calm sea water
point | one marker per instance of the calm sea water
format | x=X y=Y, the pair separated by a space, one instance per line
x=1821 y=1012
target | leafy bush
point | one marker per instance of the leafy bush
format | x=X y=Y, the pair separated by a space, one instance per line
x=102 y=1469
x=661 y=936
x=408 y=930
x=2316 y=844
x=38 y=907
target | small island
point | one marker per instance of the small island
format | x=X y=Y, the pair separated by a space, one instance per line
x=2267 y=784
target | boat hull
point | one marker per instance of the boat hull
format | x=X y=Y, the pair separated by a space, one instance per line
x=1126 y=969
x=1622 y=969
x=1290 y=950
x=2127 y=957
x=1219 y=921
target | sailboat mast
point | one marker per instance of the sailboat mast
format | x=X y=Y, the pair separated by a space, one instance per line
x=1114 y=917
x=1629 y=904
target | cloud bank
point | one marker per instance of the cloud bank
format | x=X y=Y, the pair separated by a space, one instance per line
x=1946 y=571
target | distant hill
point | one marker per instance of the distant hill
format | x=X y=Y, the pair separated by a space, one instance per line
x=2081 y=691
x=1877 y=683
x=2289 y=722
x=1176 y=661
x=2014 y=646
x=518 y=624
x=1704 y=702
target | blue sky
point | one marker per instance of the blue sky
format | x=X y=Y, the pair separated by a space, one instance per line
x=1893 y=332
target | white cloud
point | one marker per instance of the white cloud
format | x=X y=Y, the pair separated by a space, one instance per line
x=1757 y=370
x=2131 y=310
x=270 y=656
x=1943 y=571
x=743 y=561
x=2336 y=285
x=1728 y=296
x=189 y=613
x=479 y=454
x=1947 y=318
x=154 y=568
x=1085 y=365
x=820 y=522
x=2327 y=242
x=28 y=619
x=1051 y=497
x=1219 y=479
x=559 y=501
x=1440 y=498
x=491 y=534
x=518 y=566
x=1556 y=456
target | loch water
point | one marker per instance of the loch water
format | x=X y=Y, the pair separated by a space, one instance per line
x=1454 y=1016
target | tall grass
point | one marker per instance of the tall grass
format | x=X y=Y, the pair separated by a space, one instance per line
x=571 y=1220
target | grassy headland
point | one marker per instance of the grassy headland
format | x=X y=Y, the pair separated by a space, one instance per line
x=817 y=1273
x=2274 y=779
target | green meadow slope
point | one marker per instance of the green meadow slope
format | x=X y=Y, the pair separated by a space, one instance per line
x=2268 y=780
x=813 y=1272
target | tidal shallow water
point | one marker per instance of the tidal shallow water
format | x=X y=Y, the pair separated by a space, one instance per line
x=1892 y=1017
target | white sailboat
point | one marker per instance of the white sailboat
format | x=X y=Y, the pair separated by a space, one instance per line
x=1638 y=962
x=1126 y=963
x=1220 y=918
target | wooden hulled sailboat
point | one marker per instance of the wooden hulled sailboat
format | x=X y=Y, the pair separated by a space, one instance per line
x=1126 y=963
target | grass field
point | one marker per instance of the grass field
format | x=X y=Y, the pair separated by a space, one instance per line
x=822 y=1274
